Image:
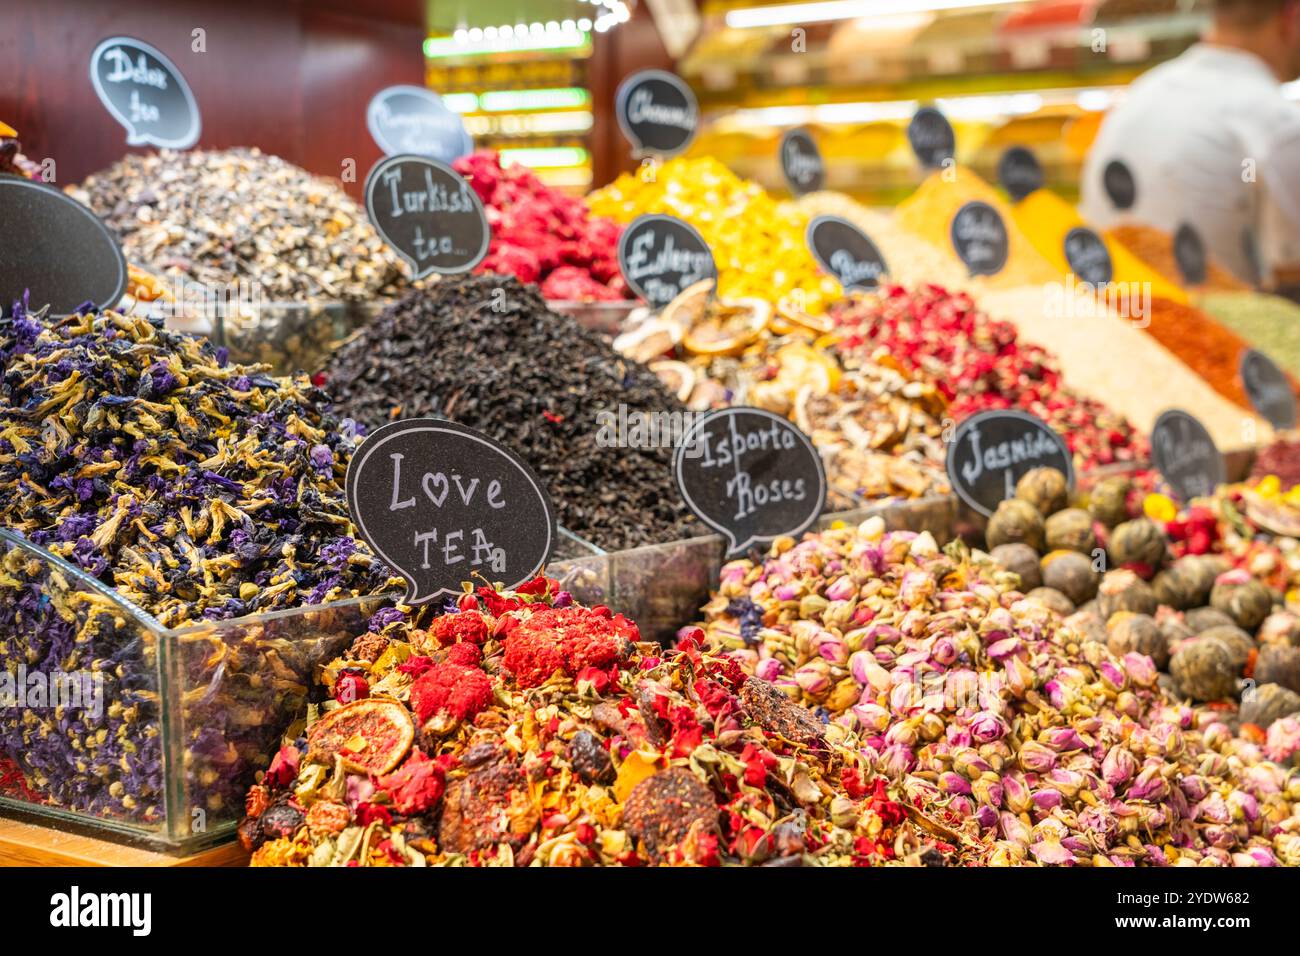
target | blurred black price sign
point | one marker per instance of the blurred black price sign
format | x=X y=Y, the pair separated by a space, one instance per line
x=979 y=237
x=931 y=137
x=145 y=92
x=660 y=256
x=412 y=119
x=439 y=502
x=992 y=450
x=56 y=249
x=1117 y=179
x=1269 y=389
x=657 y=112
x=801 y=162
x=428 y=214
x=750 y=475
x=1088 y=256
x=1019 y=172
x=1189 y=253
x=1185 y=455
x=846 y=252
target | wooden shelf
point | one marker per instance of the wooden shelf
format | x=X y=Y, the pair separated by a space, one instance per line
x=27 y=844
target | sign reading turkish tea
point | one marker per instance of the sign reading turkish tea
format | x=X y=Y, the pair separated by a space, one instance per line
x=56 y=250
x=661 y=255
x=1189 y=254
x=1117 y=179
x=979 y=237
x=1185 y=455
x=750 y=475
x=1088 y=256
x=1269 y=389
x=931 y=137
x=428 y=214
x=992 y=450
x=846 y=252
x=657 y=112
x=1019 y=172
x=801 y=162
x=441 y=503
x=144 y=91
x=412 y=119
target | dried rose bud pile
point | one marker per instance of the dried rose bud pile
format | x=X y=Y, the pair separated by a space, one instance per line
x=521 y=729
x=1040 y=747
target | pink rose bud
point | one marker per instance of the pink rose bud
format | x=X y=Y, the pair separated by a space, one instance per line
x=768 y=669
x=832 y=649
x=897 y=760
x=841 y=589
x=1119 y=766
x=986 y=727
x=1047 y=799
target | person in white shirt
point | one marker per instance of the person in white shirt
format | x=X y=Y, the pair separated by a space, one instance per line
x=1209 y=139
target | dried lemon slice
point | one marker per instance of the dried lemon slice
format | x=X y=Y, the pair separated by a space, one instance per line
x=370 y=736
x=730 y=326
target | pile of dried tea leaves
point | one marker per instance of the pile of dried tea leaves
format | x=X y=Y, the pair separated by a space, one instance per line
x=486 y=352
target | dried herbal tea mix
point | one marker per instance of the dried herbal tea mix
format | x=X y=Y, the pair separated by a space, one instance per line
x=486 y=352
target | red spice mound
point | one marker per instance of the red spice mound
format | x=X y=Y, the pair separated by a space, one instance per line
x=463 y=626
x=416 y=786
x=565 y=639
x=459 y=690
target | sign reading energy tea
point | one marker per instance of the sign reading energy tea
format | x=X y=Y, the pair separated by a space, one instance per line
x=657 y=112
x=979 y=237
x=846 y=252
x=412 y=119
x=750 y=475
x=801 y=162
x=1185 y=454
x=145 y=92
x=660 y=256
x=440 y=503
x=428 y=213
x=992 y=450
x=1268 y=388
x=1088 y=256
x=65 y=256
x=1019 y=172
x=931 y=137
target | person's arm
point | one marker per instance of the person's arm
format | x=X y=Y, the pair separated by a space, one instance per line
x=1278 y=228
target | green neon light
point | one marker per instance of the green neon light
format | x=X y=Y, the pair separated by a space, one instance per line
x=441 y=47
x=510 y=101
x=546 y=157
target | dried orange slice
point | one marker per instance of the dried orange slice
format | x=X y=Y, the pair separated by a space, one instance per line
x=729 y=327
x=690 y=306
x=649 y=340
x=678 y=376
x=372 y=736
x=815 y=323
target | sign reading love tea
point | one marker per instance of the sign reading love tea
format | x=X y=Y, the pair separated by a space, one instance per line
x=801 y=162
x=660 y=256
x=439 y=503
x=1088 y=256
x=1117 y=179
x=992 y=450
x=63 y=255
x=1268 y=388
x=145 y=92
x=979 y=237
x=1189 y=253
x=428 y=213
x=1019 y=172
x=412 y=119
x=846 y=252
x=750 y=475
x=657 y=112
x=1185 y=455
x=931 y=137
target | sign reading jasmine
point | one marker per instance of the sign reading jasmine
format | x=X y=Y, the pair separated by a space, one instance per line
x=657 y=112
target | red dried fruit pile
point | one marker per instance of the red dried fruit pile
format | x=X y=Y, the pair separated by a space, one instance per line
x=543 y=236
x=980 y=364
x=566 y=639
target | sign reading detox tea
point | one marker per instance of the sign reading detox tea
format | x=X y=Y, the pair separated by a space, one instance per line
x=145 y=92
x=1088 y=256
x=1019 y=172
x=801 y=162
x=931 y=137
x=660 y=256
x=846 y=252
x=1117 y=179
x=1189 y=254
x=428 y=214
x=657 y=112
x=979 y=237
x=1268 y=388
x=992 y=450
x=65 y=255
x=441 y=503
x=411 y=119
x=1185 y=454
x=750 y=475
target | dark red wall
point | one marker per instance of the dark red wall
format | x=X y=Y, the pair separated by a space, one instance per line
x=289 y=76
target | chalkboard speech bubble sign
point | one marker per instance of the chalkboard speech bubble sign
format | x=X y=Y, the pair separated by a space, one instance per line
x=411 y=119
x=145 y=91
x=439 y=502
x=979 y=237
x=992 y=450
x=1019 y=172
x=931 y=137
x=1088 y=256
x=1189 y=253
x=428 y=214
x=1268 y=388
x=1117 y=179
x=846 y=252
x=1185 y=455
x=63 y=255
x=801 y=162
x=750 y=475
x=661 y=255
x=657 y=112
